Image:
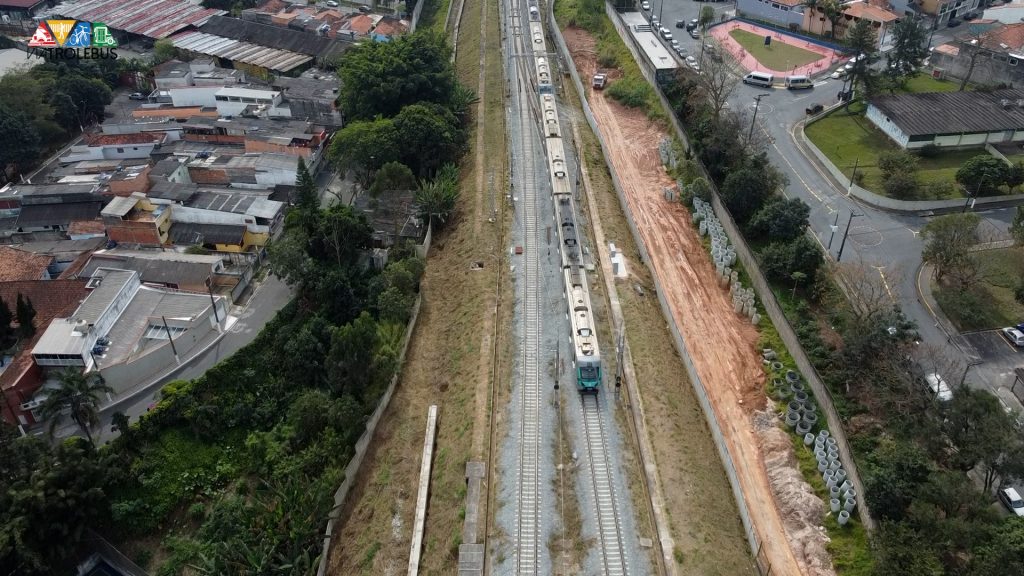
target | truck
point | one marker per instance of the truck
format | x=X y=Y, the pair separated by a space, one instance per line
x=600 y=79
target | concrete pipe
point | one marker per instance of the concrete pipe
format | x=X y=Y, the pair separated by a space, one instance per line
x=810 y=406
x=831 y=482
x=792 y=419
x=808 y=439
x=777 y=366
x=845 y=485
x=796 y=386
x=794 y=406
x=850 y=504
x=820 y=455
x=823 y=433
x=833 y=492
x=819 y=445
x=792 y=376
x=835 y=465
x=755 y=318
x=834 y=504
x=831 y=441
x=851 y=493
x=811 y=418
x=800 y=397
x=841 y=475
x=843 y=518
x=822 y=467
x=833 y=455
x=803 y=427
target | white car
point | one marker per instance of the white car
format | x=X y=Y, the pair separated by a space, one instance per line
x=1011 y=499
x=1015 y=336
x=331 y=3
x=691 y=60
x=645 y=6
x=940 y=390
x=675 y=45
x=839 y=74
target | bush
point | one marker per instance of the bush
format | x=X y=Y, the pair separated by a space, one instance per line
x=982 y=175
x=897 y=162
x=941 y=189
x=901 y=186
x=630 y=92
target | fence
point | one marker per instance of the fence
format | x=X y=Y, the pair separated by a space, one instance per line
x=752 y=537
x=416 y=14
x=364 y=442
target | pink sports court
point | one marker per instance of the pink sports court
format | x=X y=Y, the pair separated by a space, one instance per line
x=749 y=62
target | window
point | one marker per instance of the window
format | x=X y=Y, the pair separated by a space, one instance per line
x=221 y=98
x=120 y=150
x=1013 y=61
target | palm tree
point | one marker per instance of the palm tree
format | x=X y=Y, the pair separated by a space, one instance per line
x=78 y=393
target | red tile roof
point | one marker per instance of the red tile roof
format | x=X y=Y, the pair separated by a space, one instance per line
x=869 y=12
x=50 y=299
x=361 y=24
x=390 y=27
x=1011 y=36
x=20 y=265
x=19 y=3
x=120 y=139
x=86 y=227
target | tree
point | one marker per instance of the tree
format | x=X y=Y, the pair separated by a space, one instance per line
x=902 y=186
x=364 y=147
x=380 y=78
x=909 y=50
x=896 y=162
x=798 y=278
x=779 y=260
x=780 y=219
x=861 y=39
x=430 y=136
x=351 y=359
x=832 y=10
x=864 y=290
x=437 y=198
x=343 y=233
x=78 y=394
x=982 y=175
x=744 y=192
x=307 y=195
x=20 y=145
x=90 y=96
x=707 y=16
x=1017 y=227
x=896 y=470
x=982 y=433
x=1003 y=554
x=717 y=81
x=391 y=177
x=164 y=50
x=947 y=241
x=900 y=551
x=5 y=324
x=26 y=315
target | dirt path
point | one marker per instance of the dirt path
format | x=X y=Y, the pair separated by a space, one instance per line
x=721 y=344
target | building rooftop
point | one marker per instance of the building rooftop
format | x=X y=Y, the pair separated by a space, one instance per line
x=124 y=139
x=19 y=265
x=391 y=27
x=120 y=206
x=157 y=267
x=12 y=59
x=187 y=233
x=86 y=227
x=324 y=87
x=656 y=52
x=171 y=69
x=866 y=11
x=240 y=51
x=954 y=112
x=269 y=36
x=1008 y=38
x=150 y=18
x=249 y=204
x=43 y=215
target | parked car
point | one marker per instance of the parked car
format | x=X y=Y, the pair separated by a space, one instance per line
x=691 y=60
x=838 y=74
x=695 y=34
x=675 y=45
x=681 y=51
x=692 y=25
x=136 y=96
x=1011 y=499
x=666 y=34
x=953 y=23
x=655 y=23
x=331 y=3
x=680 y=23
x=1015 y=336
x=645 y=6
x=98 y=350
x=814 y=109
x=940 y=390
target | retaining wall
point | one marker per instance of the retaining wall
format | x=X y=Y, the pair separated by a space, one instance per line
x=352 y=470
x=416 y=14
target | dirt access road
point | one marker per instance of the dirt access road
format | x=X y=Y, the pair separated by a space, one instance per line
x=722 y=345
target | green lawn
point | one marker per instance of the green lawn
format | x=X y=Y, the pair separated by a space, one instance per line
x=779 y=56
x=924 y=83
x=849 y=139
x=988 y=303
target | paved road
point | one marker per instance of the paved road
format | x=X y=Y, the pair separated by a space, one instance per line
x=888 y=242
x=270 y=297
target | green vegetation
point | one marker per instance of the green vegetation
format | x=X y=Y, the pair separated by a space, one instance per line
x=778 y=56
x=848 y=139
x=925 y=83
x=632 y=89
x=989 y=301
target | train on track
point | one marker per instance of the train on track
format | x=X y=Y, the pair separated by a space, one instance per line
x=586 y=354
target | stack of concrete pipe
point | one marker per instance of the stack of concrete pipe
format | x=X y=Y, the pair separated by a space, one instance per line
x=668 y=156
x=842 y=496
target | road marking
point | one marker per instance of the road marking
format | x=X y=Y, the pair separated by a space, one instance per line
x=792 y=169
x=914 y=232
x=885 y=283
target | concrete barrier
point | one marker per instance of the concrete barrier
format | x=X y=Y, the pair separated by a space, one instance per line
x=426 y=463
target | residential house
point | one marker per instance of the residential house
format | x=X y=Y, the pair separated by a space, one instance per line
x=942 y=11
x=388 y=28
x=86 y=229
x=159 y=268
x=20 y=378
x=991 y=58
x=29 y=208
x=394 y=217
x=950 y=119
x=19 y=265
x=136 y=220
x=787 y=13
x=881 y=20
x=252 y=171
x=115 y=147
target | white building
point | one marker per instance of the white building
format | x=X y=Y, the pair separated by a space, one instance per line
x=115 y=147
x=950 y=119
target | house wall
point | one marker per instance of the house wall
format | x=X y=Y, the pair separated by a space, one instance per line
x=770 y=11
x=988 y=69
x=256 y=146
x=195 y=96
x=125 y=187
x=21 y=390
x=885 y=125
x=126 y=231
x=179 y=82
x=250 y=239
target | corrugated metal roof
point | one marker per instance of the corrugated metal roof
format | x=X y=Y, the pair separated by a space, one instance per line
x=238 y=51
x=151 y=18
x=953 y=112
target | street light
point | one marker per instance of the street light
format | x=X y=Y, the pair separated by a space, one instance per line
x=757 y=104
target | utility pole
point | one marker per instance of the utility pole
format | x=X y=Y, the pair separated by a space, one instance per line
x=757 y=104
x=853 y=176
x=213 y=302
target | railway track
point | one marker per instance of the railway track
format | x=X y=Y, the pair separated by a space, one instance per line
x=613 y=553
x=528 y=529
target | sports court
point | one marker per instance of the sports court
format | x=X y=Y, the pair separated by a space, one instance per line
x=785 y=56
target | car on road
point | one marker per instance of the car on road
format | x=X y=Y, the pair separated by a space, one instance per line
x=691 y=60
x=1015 y=336
x=666 y=34
x=695 y=34
x=680 y=23
x=675 y=45
x=840 y=73
x=655 y=23
x=331 y=3
x=645 y=6
x=1011 y=499
x=681 y=51
x=940 y=390
x=691 y=25
x=136 y=96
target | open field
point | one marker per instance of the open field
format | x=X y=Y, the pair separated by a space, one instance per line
x=988 y=303
x=850 y=139
x=923 y=83
x=777 y=56
x=450 y=359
